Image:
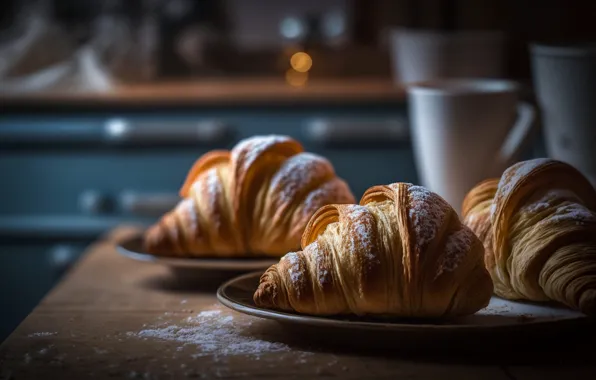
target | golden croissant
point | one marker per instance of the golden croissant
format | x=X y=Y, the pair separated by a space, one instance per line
x=253 y=200
x=538 y=226
x=402 y=252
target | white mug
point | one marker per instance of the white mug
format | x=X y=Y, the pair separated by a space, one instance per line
x=422 y=55
x=464 y=131
x=565 y=82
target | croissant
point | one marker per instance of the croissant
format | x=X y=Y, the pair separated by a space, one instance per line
x=253 y=200
x=401 y=252
x=538 y=226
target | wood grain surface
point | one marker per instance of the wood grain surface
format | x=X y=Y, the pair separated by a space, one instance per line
x=95 y=324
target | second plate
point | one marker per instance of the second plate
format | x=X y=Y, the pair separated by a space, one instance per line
x=133 y=249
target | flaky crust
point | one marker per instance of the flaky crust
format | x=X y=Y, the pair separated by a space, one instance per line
x=538 y=225
x=402 y=252
x=253 y=200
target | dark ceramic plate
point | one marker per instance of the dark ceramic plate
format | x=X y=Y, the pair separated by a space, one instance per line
x=133 y=249
x=500 y=316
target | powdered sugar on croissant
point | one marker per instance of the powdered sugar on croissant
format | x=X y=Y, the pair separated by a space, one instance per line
x=538 y=223
x=253 y=200
x=402 y=252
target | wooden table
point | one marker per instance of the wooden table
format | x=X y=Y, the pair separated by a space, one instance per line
x=91 y=326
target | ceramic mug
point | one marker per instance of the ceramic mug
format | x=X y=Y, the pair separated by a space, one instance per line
x=466 y=130
x=421 y=55
x=565 y=84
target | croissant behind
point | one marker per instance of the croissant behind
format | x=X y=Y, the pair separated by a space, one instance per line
x=402 y=252
x=538 y=225
x=253 y=200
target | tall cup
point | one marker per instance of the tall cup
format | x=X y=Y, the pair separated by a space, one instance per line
x=421 y=55
x=464 y=131
x=565 y=84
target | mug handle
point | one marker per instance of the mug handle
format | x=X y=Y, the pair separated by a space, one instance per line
x=518 y=136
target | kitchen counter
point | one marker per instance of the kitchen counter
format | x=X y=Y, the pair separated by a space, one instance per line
x=220 y=93
x=113 y=317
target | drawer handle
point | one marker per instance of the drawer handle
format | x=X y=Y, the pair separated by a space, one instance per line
x=62 y=257
x=93 y=202
x=125 y=131
x=16 y=133
x=148 y=205
x=354 y=131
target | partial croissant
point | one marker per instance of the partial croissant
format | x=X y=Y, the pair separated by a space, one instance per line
x=402 y=252
x=254 y=200
x=538 y=226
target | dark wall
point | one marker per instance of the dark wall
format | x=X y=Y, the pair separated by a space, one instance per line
x=523 y=21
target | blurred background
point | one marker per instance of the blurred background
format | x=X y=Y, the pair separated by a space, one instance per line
x=105 y=104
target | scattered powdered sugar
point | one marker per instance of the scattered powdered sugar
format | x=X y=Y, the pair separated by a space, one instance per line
x=42 y=334
x=314 y=199
x=255 y=146
x=471 y=219
x=512 y=175
x=496 y=309
x=208 y=313
x=214 y=188
x=213 y=184
x=537 y=206
x=493 y=209
x=214 y=333
x=320 y=196
x=426 y=215
x=457 y=246
x=187 y=207
x=546 y=200
x=294 y=173
x=296 y=275
x=573 y=212
x=318 y=257
x=360 y=234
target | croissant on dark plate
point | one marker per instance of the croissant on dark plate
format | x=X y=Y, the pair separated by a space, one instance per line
x=401 y=252
x=253 y=200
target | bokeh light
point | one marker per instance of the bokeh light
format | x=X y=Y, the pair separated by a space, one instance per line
x=296 y=78
x=301 y=62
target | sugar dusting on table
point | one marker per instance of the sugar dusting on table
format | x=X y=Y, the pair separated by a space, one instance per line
x=42 y=334
x=213 y=332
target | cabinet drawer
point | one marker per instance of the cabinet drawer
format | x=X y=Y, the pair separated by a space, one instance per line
x=68 y=167
x=27 y=273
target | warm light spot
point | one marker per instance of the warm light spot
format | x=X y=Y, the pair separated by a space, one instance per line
x=301 y=62
x=295 y=78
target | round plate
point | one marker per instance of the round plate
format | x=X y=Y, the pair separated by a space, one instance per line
x=500 y=316
x=133 y=249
